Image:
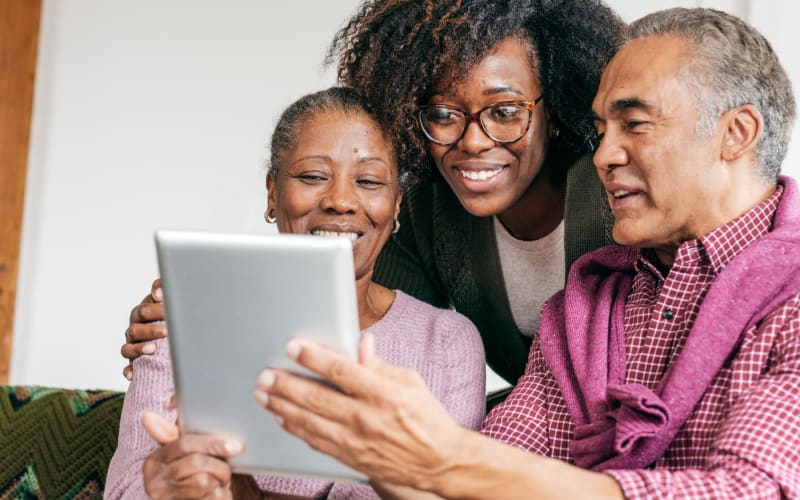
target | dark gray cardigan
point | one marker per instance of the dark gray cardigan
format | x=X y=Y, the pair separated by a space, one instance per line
x=447 y=257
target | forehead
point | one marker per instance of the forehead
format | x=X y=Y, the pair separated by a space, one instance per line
x=337 y=126
x=343 y=134
x=510 y=63
x=646 y=69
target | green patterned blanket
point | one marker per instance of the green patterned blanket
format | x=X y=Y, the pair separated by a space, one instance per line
x=56 y=443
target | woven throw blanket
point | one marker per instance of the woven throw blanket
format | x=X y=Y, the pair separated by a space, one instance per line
x=56 y=443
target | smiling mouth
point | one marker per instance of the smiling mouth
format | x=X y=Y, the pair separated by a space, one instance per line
x=348 y=235
x=620 y=194
x=479 y=175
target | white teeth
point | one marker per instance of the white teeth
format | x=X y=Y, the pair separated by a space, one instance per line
x=620 y=194
x=335 y=234
x=479 y=175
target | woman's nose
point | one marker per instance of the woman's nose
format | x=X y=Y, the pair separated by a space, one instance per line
x=475 y=139
x=341 y=197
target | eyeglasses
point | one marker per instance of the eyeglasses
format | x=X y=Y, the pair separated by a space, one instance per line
x=505 y=121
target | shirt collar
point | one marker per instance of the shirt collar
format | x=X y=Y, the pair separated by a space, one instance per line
x=727 y=241
x=721 y=245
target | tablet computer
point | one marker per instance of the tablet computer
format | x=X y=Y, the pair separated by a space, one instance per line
x=232 y=302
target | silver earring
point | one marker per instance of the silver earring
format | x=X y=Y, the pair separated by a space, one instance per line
x=554 y=132
x=269 y=216
x=396 y=228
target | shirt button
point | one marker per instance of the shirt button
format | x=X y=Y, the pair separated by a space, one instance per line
x=668 y=314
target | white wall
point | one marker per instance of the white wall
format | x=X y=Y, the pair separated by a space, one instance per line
x=147 y=114
x=155 y=114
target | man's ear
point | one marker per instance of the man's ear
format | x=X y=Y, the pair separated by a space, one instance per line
x=743 y=127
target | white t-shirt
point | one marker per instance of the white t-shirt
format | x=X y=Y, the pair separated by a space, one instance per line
x=533 y=271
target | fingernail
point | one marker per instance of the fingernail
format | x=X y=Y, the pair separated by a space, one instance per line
x=158 y=294
x=261 y=397
x=266 y=378
x=278 y=420
x=233 y=447
x=293 y=348
x=149 y=348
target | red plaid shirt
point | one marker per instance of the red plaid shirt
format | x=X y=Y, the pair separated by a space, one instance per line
x=743 y=438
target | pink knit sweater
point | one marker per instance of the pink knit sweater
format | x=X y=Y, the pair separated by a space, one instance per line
x=441 y=345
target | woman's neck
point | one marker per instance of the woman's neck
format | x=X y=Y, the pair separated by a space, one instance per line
x=373 y=301
x=539 y=211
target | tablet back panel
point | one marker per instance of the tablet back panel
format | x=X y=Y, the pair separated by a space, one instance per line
x=232 y=302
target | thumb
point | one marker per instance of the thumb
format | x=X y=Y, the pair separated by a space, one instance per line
x=159 y=428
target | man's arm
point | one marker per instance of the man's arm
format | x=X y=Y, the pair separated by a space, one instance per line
x=387 y=425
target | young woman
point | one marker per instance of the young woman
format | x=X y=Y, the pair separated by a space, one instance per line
x=333 y=173
x=489 y=103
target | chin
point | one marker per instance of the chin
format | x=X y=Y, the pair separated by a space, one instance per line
x=483 y=206
x=628 y=236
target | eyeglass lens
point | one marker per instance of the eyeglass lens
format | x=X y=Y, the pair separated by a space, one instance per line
x=503 y=122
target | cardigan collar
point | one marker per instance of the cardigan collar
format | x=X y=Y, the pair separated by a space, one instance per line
x=582 y=338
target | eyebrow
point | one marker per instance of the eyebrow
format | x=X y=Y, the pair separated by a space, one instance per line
x=328 y=159
x=622 y=105
x=365 y=159
x=324 y=158
x=501 y=90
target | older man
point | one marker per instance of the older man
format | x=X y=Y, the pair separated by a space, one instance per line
x=667 y=367
x=684 y=379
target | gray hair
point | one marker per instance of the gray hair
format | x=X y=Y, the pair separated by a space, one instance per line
x=342 y=100
x=735 y=66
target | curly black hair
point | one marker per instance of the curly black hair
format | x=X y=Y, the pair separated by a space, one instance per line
x=398 y=52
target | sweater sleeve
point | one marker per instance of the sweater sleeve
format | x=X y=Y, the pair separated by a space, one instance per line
x=406 y=261
x=756 y=453
x=464 y=395
x=150 y=389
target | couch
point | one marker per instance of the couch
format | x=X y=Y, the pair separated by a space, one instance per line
x=56 y=443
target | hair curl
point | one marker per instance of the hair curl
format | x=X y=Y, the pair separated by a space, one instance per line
x=346 y=101
x=735 y=65
x=397 y=52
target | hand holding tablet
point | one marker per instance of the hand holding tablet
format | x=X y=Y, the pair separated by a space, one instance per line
x=232 y=302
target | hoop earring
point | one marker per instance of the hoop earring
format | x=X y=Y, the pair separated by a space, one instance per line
x=269 y=216
x=396 y=228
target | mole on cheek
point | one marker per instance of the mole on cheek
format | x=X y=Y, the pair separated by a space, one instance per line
x=355 y=150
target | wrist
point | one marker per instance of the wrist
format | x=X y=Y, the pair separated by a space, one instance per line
x=482 y=468
x=466 y=467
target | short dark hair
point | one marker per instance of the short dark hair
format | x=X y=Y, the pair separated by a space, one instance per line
x=735 y=65
x=346 y=101
x=397 y=51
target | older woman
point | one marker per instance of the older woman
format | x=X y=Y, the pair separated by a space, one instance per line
x=490 y=105
x=333 y=173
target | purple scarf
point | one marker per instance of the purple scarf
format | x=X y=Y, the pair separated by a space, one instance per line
x=582 y=337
